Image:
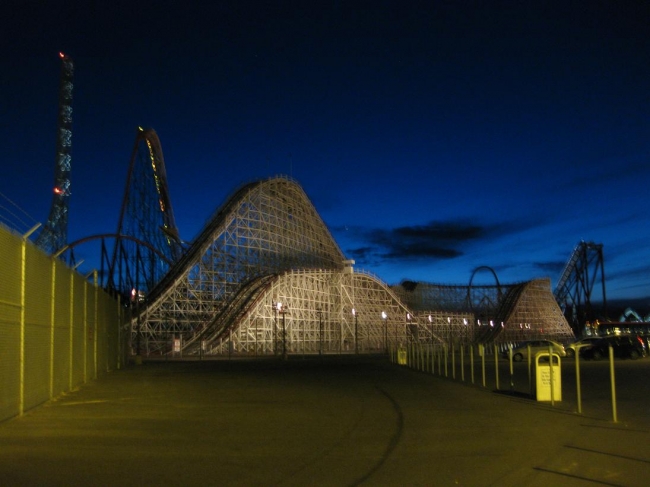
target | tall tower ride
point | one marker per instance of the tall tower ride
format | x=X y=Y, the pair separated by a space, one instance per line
x=54 y=235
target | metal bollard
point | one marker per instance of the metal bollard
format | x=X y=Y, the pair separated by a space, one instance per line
x=613 y=381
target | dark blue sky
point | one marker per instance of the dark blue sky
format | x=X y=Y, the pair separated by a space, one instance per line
x=433 y=137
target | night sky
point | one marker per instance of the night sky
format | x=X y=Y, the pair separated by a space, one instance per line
x=432 y=137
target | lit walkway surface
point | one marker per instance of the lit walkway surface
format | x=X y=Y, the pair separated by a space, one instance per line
x=338 y=421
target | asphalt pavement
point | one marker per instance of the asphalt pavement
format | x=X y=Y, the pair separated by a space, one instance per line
x=333 y=421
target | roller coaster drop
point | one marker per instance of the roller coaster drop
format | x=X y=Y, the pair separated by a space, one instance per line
x=265 y=276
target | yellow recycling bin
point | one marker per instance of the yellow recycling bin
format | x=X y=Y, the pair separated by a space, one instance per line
x=401 y=356
x=543 y=377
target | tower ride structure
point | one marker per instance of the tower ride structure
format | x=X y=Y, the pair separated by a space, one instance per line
x=575 y=288
x=54 y=234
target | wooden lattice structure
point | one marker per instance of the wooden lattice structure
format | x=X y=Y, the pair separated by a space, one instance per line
x=530 y=311
x=314 y=311
x=514 y=312
x=266 y=277
x=265 y=228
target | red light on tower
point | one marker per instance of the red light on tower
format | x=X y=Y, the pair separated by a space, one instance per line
x=61 y=55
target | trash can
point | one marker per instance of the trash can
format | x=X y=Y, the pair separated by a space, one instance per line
x=543 y=376
x=401 y=356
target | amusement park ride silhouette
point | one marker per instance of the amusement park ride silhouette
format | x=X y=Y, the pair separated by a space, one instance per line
x=266 y=275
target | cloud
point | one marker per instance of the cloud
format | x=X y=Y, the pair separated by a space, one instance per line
x=436 y=240
x=552 y=267
x=639 y=273
x=617 y=169
x=362 y=254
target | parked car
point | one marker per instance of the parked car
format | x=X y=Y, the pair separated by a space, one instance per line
x=580 y=345
x=624 y=346
x=520 y=351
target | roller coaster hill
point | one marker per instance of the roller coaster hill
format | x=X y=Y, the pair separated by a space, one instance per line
x=266 y=277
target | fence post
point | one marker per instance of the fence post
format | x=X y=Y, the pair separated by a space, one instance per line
x=21 y=352
x=482 y=354
x=471 y=361
x=85 y=334
x=613 y=383
x=96 y=326
x=119 y=332
x=71 y=332
x=52 y=315
x=446 y=362
x=462 y=363
x=496 y=366
x=453 y=361
x=21 y=372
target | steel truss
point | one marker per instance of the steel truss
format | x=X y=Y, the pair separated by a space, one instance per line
x=146 y=216
x=54 y=235
x=574 y=290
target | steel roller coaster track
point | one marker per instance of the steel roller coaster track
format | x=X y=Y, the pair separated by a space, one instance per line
x=146 y=216
x=575 y=289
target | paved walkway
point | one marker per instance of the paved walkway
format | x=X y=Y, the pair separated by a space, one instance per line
x=334 y=422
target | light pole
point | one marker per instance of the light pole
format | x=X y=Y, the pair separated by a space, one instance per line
x=466 y=336
x=138 y=357
x=356 y=336
x=320 y=331
x=384 y=317
x=431 y=326
x=283 y=311
x=276 y=307
x=284 y=334
x=408 y=326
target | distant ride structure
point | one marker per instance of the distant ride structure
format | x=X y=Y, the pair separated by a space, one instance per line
x=146 y=228
x=577 y=286
x=146 y=243
x=54 y=234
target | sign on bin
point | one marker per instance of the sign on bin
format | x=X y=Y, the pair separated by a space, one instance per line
x=543 y=377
